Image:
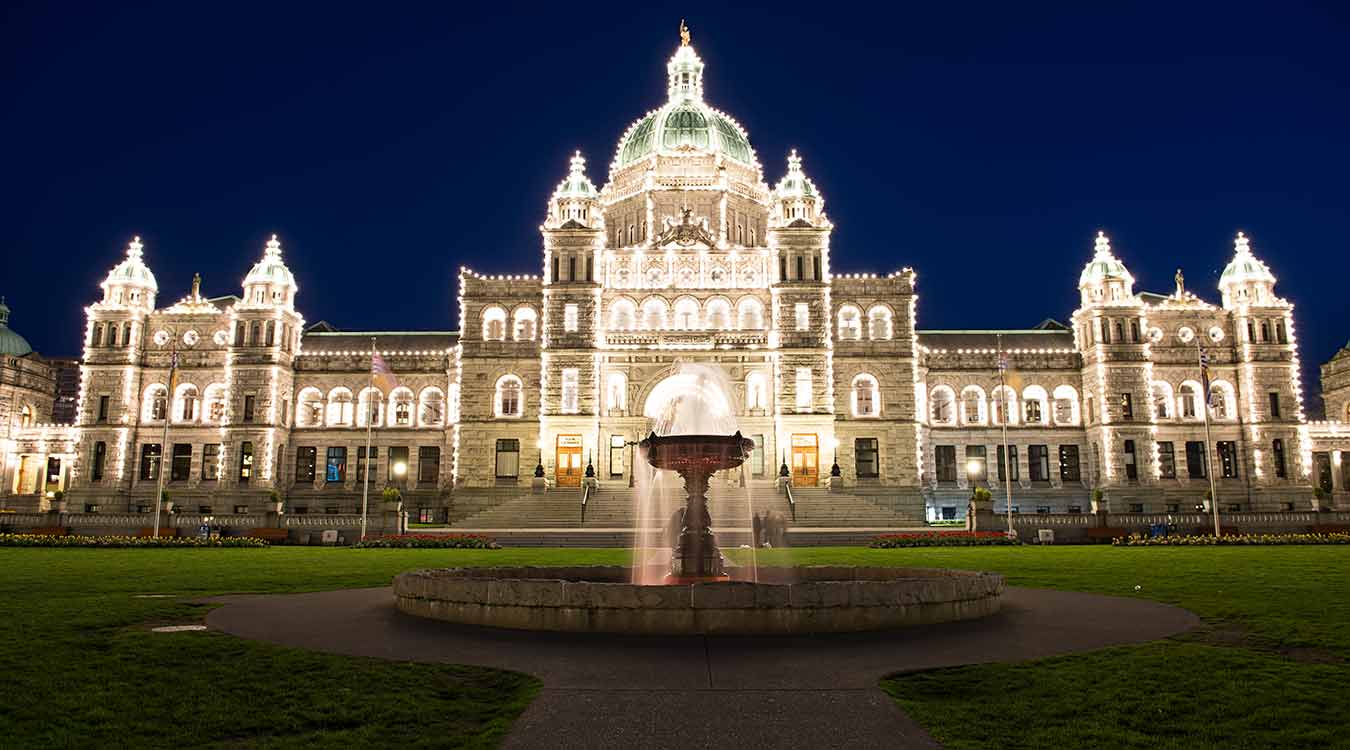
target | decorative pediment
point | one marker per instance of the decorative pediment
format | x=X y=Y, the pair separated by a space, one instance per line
x=685 y=233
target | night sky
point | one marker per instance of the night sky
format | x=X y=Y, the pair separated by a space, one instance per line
x=388 y=145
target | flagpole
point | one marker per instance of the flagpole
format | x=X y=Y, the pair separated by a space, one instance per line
x=1209 y=468
x=370 y=421
x=1008 y=462
x=164 y=440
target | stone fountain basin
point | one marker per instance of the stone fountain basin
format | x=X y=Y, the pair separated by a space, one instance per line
x=600 y=599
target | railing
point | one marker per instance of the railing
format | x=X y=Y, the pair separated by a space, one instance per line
x=792 y=504
x=585 y=497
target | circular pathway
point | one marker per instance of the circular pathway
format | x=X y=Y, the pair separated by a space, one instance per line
x=606 y=691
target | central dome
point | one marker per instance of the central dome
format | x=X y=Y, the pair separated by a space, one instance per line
x=685 y=123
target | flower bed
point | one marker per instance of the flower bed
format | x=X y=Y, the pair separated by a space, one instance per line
x=1139 y=540
x=943 y=539
x=108 y=542
x=431 y=541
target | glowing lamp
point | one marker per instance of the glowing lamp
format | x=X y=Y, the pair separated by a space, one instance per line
x=400 y=469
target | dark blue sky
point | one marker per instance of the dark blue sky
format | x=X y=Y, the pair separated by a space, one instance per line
x=982 y=145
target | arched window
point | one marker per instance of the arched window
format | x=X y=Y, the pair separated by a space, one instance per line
x=126 y=334
x=850 y=323
x=525 y=324
x=508 y=402
x=972 y=405
x=622 y=315
x=26 y=416
x=255 y=334
x=1034 y=402
x=686 y=314
x=1162 y=400
x=1066 y=405
x=718 y=314
x=96 y=336
x=185 y=402
x=431 y=408
x=401 y=407
x=1188 y=400
x=309 y=408
x=213 y=404
x=1003 y=402
x=942 y=406
x=494 y=324
x=756 y=391
x=879 y=323
x=749 y=314
x=866 y=396
x=340 y=407
x=156 y=403
x=653 y=313
x=1222 y=401
x=616 y=393
x=271 y=332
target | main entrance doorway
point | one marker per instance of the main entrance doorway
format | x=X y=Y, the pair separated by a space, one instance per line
x=568 y=467
x=805 y=460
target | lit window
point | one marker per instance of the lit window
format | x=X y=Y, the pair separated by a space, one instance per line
x=750 y=314
x=570 y=318
x=616 y=393
x=524 y=324
x=972 y=405
x=494 y=324
x=803 y=312
x=866 y=396
x=755 y=391
x=571 y=391
x=622 y=316
x=508 y=397
x=431 y=409
x=850 y=323
x=879 y=323
x=803 y=388
x=686 y=314
x=942 y=408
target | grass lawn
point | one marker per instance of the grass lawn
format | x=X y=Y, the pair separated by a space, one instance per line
x=82 y=669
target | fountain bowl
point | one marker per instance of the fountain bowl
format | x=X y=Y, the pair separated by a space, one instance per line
x=783 y=601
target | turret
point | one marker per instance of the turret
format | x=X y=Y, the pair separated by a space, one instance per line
x=1246 y=280
x=796 y=202
x=130 y=283
x=1105 y=279
x=270 y=283
x=575 y=204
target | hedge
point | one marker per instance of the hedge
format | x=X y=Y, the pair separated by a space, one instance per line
x=943 y=539
x=1233 y=540
x=109 y=542
x=431 y=541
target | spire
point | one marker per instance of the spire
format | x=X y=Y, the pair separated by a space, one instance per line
x=797 y=200
x=575 y=196
x=1105 y=268
x=4 y=313
x=684 y=72
x=1246 y=279
x=273 y=251
x=134 y=248
x=1102 y=247
x=270 y=281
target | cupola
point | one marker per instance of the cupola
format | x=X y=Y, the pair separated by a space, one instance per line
x=797 y=203
x=1105 y=279
x=575 y=204
x=130 y=283
x=270 y=282
x=1246 y=280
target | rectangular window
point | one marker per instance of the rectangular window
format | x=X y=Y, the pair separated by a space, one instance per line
x=944 y=459
x=1277 y=456
x=1136 y=507
x=1274 y=405
x=103 y=408
x=815 y=267
x=428 y=464
x=571 y=268
x=571 y=318
x=1038 y=463
x=1003 y=464
x=867 y=461
x=1131 y=462
x=803 y=388
x=757 y=456
x=335 y=465
x=181 y=468
x=398 y=464
x=617 y=445
x=100 y=457
x=1322 y=470
x=1195 y=459
x=306 y=458
x=801 y=268
x=508 y=458
x=1134 y=331
x=1126 y=406
x=571 y=391
x=245 y=462
x=782 y=268
x=1167 y=461
x=590 y=269
x=803 y=315
x=1279 y=333
x=1228 y=459
x=248 y=407
x=211 y=462
x=150 y=458
x=976 y=468
x=1069 y=470
x=555 y=269
x=361 y=464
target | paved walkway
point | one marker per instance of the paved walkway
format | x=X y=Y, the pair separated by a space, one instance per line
x=604 y=691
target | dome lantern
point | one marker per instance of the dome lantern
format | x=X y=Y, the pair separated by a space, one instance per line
x=575 y=202
x=270 y=282
x=1246 y=280
x=130 y=282
x=1105 y=278
x=796 y=200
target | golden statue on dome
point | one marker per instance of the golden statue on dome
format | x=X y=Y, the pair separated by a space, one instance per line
x=684 y=34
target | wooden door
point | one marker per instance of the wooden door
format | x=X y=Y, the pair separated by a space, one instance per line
x=805 y=460
x=568 y=469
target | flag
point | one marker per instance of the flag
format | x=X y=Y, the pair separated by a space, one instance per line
x=381 y=374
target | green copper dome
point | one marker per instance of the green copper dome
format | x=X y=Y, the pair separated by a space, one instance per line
x=11 y=343
x=689 y=125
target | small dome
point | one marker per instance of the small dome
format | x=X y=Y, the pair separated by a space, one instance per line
x=132 y=271
x=1244 y=267
x=11 y=343
x=1104 y=265
x=271 y=269
x=577 y=184
x=795 y=184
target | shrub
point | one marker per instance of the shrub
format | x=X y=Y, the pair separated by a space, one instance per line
x=1234 y=540
x=431 y=541
x=109 y=542
x=391 y=495
x=943 y=539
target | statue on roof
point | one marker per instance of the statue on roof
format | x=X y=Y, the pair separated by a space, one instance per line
x=684 y=34
x=1181 y=284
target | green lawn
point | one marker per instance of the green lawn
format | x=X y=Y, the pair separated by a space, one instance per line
x=81 y=669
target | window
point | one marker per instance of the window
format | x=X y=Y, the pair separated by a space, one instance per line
x=622 y=316
x=865 y=396
x=211 y=462
x=1134 y=331
x=977 y=469
x=1126 y=406
x=361 y=464
x=181 y=468
x=428 y=464
x=97 y=338
x=159 y=403
x=571 y=268
x=100 y=457
x=850 y=323
x=1322 y=470
x=815 y=267
x=1131 y=462
x=750 y=314
x=1279 y=333
x=249 y=402
x=686 y=313
x=1195 y=459
x=1069 y=470
x=335 y=466
x=1002 y=403
x=1004 y=466
x=524 y=324
x=616 y=393
x=494 y=324
x=402 y=413
x=1274 y=405
x=1189 y=394
x=972 y=405
x=757 y=456
x=1033 y=412
x=1038 y=463
x=103 y=408
x=878 y=323
x=1277 y=457
x=801 y=268
x=1228 y=459
x=616 y=448
x=803 y=388
x=803 y=315
x=305 y=459
x=571 y=318
x=755 y=391
x=1218 y=400
x=508 y=396
x=943 y=407
x=1167 y=461
x=944 y=459
x=865 y=451
x=719 y=314
x=1066 y=405
x=1162 y=400
x=370 y=407
x=431 y=410
x=150 y=458
x=571 y=391
x=245 y=462
x=508 y=458
x=653 y=313
x=1136 y=507
x=1265 y=331
x=398 y=463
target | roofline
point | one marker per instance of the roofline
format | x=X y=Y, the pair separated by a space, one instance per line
x=381 y=333
x=1004 y=330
